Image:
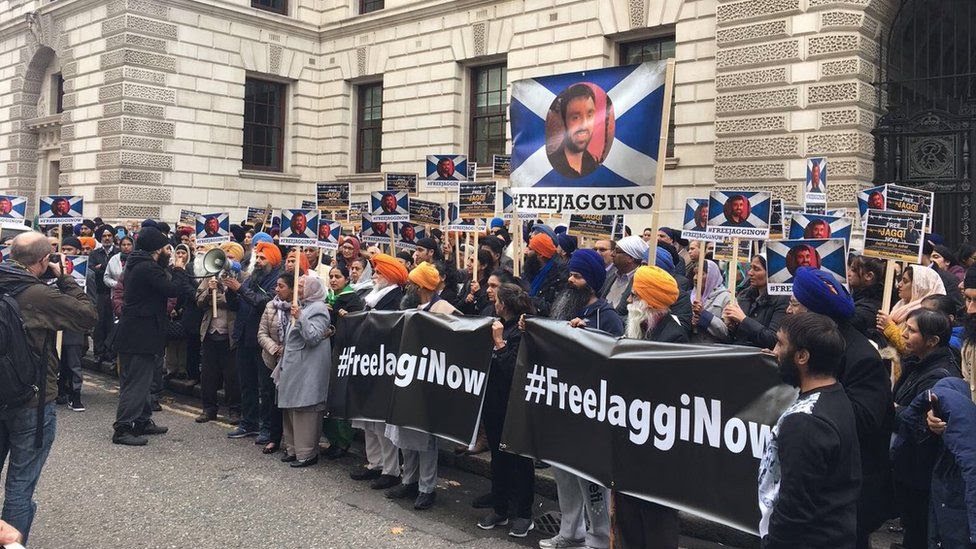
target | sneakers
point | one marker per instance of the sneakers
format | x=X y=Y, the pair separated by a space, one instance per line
x=484 y=501
x=205 y=417
x=383 y=482
x=403 y=491
x=521 y=527
x=559 y=542
x=125 y=437
x=424 y=501
x=362 y=473
x=149 y=428
x=234 y=418
x=241 y=432
x=75 y=403
x=492 y=520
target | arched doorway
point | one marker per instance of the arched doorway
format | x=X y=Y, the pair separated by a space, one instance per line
x=927 y=134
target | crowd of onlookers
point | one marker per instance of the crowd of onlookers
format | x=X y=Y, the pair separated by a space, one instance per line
x=885 y=413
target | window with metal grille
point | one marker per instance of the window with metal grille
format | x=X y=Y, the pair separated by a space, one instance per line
x=489 y=105
x=264 y=125
x=277 y=6
x=653 y=49
x=369 y=123
x=367 y=6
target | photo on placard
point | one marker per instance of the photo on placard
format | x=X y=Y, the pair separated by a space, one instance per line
x=722 y=250
x=213 y=227
x=407 y=233
x=332 y=195
x=815 y=188
x=405 y=182
x=592 y=226
x=501 y=165
x=907 y=199
x=455 y=223
x=188 y=218
x=872 y=198
x=60 y=209
x=256 y=216
x=810 y=226
x=476 y=200
x=390 y=206
x=776 y=218
x=425 y=212
x=472 y=171
x=329 y=231
x=299 y=227
x=4 y=252
x=77 y=267
x=743 y=214
x=307 y=205
x=784 y=257
x=449 y=168
x=893 y=235
x=377 y=232
x=696 y=221
x=12 y=209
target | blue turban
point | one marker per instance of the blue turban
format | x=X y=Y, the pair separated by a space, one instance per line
x=541 y=228
x=261 y=237
x=589 y=264
x=662 y=260
x=497 y=222
x=567 y=243
x=77 y=229
x=150 y=223
x=820 y=292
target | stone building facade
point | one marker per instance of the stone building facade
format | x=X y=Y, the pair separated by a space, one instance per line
x=140 y=107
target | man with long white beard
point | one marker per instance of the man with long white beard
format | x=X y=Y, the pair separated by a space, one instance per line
x=643 y=524
x=579 y=305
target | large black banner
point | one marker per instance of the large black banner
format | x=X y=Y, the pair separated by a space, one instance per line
x=680 y=425
x=412 y=369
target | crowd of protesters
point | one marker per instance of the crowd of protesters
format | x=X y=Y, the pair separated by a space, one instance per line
x=884 y=425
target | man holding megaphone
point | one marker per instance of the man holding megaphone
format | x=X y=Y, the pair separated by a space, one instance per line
x=217 y=364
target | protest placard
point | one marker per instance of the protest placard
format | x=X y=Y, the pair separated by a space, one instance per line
x=591 y=226
x=819 y=227
x=907 y=199
x=501 y=165
x=815 y=186
x=407 y=234
x=60 y=210
x=784 y=257
x=696 y=221
x=739 y=214
x=377 y=232
x=329 y=231
x=776 y=218
x=257 y=216
x=77 y=267
x=871 y=198
x=188 y=218
x=12 y=210
x=722 y=251
x=455 y=222
x=446 y=170
x=894 y=235
x=476 y=200
x=213 y=228
x=307 y=205
x=389 y=206
x=425 y=212
x=406 y=182
x=356 y=211
x=332 y=196
x=508 y=208
x=472 y=171
x=299 y=228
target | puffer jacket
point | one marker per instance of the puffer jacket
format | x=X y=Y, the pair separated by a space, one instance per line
x=269 y=337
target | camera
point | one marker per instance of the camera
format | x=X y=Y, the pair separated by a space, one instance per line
x=55 y=258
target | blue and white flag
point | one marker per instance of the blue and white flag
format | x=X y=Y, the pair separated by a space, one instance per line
x=454 y=221
x=815 y=187
x=508 y=207
x=77 y=267
x=804 y=225
x=445 y=170
x=213 y=228
x=12 y=210
x=60 y=209
x=784 y=257
x=390 y=206
x=696 y=221
x=742 y=214
x=329 y=231
x=587 y=142
x=872 y=198
x=407 y=234
x=375 y=232
x=4 y=253
x=299 y=228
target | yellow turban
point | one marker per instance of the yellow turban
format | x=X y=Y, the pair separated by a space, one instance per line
x=233 y=250
x=655 y=287
x=426 y=276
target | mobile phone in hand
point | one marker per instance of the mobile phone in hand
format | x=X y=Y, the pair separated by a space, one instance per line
x=934 y=404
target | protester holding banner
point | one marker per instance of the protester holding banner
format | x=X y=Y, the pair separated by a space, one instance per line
x=303 y=374
x=810 y=476
x=430 y=251
x=349 y=249
x=271 y=337
x=218 y=346
x=927 y=360
x=361 y=276
x=916 y=283
x=707 y=314
x=342 y=300
x=754 y=319
x=864 y=378
x=512 y=476
x=472 y=299
x=585 y=310
x=72 y=342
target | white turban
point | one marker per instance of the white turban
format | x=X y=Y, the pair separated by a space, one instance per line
x=634 y=246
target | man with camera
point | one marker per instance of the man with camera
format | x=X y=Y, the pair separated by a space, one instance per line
x=49 y=301
x=141 y=334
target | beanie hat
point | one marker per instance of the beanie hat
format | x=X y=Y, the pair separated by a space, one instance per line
x=427 y=243
x=270 y=251
x=149 y=239
x=543 y=245
x=389 y=268
x=426 y=276
x=71 y=241
x=589 y=264
x=655 y=286
x=233 y=250
x=567 y=242
x=820 y=292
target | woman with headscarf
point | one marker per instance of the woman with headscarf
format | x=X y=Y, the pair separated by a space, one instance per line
x=916 y=283
x=755 y=318
x=271 y=338
x=969 y=335
x=707 y=315
x=349 y=249
x=342 y=300
x=302 y=375
x=361 y=276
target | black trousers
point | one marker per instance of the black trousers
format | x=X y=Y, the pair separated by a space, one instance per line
x=512 y=476
x=103 y=304
x=69 y=375
x=218 y=368
x=645 y=525
x=135 y=380
x=914 y=507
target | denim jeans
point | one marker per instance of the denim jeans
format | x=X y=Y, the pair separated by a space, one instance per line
x=17 y=437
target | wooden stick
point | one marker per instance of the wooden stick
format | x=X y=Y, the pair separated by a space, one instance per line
x=889 y=283
x=474 y=270
x=59 y=337
x=662 y=153
x=392 y=240
x=457 y=251
x=734 y=268
x=701 y=270
x=298 y=268
x=213 y=301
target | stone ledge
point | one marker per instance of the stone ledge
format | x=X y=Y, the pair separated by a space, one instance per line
x=269 y=176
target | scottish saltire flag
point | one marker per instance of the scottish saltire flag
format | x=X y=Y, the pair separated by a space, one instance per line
x=815 y=187
x=213 y=228
x=696 y=221
x=77 y=267
x=4 y=251
x=784 y=257
x=508 y=207
x=299 y=227
x=390 y=206
x=12 y=210
x=804 y=225
x=407 y=234
x=445 y=170
x=376 y=232
x=329 y=231
x=60 y=209
x=454 y=221
x=595 y=132
x=742 y=214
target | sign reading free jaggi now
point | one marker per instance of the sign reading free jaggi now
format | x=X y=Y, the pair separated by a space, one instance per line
x=894 y=235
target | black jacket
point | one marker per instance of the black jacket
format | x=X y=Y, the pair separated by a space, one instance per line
x=763 y=313
x=391 y=301
x=350 y=302
x=478 y=304
x=98 y=262
x=668 y=330
x=253 y=296
x=867 y=303
x=503 y=370
x=553 y=283
x=142 y=326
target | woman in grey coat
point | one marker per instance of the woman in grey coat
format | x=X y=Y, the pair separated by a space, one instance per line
x=302 y=375
x=707 y=316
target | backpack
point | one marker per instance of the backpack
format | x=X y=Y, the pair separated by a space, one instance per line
x=22 y=373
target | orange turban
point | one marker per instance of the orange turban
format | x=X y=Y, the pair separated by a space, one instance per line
x=233 y=250
x=655 y=287
x=390 y=268
x=302 y=261
x=270 y=251
x=541 y=244
x=426 y=276
x=87 y=242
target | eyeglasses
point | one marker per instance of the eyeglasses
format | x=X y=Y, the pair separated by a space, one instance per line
x=601 y=250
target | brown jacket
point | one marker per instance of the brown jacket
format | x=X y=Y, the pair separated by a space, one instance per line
x=268 y=336
x=226 y=313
